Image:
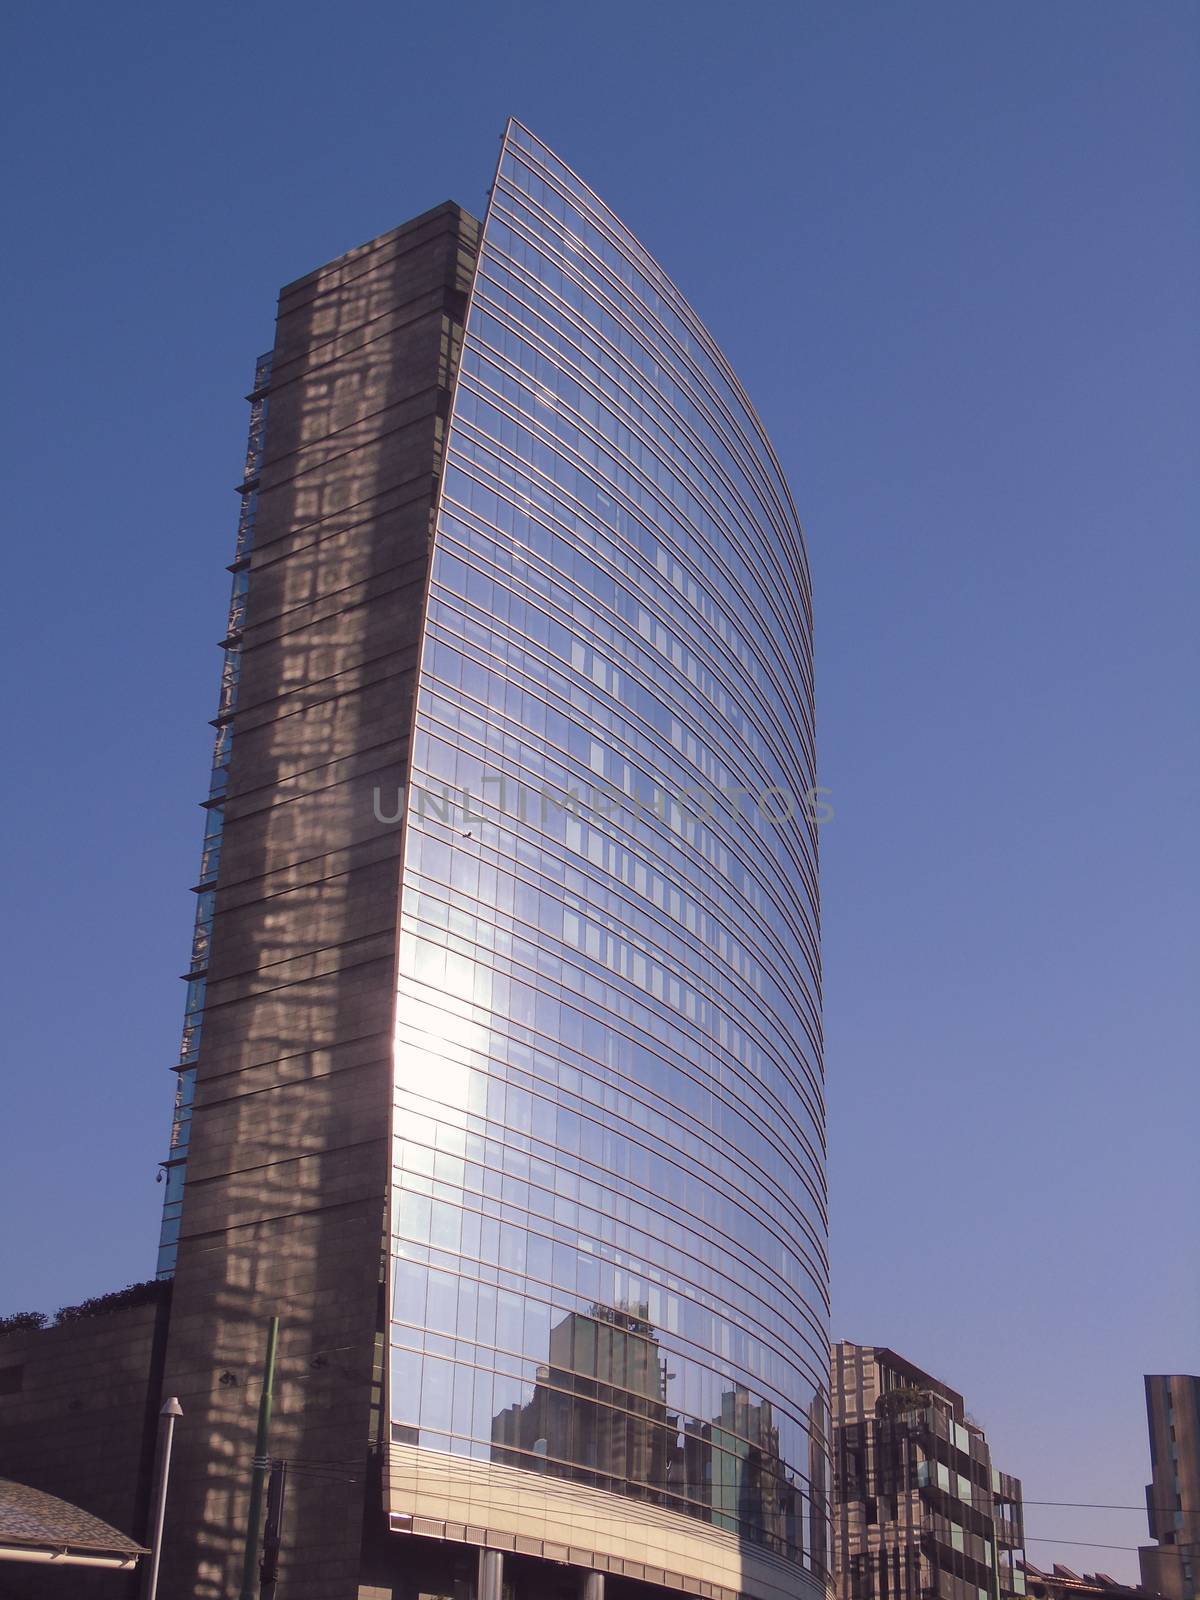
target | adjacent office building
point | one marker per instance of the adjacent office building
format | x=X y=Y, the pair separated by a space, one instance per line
x=920 y=1512
x=1170 y=1565
x=501 y=1077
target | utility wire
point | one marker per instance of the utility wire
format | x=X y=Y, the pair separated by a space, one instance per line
x=1078 y=1505
x=1083 y=1544
x=1100 y=1505
x=328 y=1472
x=335 y=1472
x=1081 y=1505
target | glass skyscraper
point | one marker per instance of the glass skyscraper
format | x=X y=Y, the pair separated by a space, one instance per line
x=501 y=1081
x=609 y=1229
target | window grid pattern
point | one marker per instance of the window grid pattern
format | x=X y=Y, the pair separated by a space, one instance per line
x=609 y=1221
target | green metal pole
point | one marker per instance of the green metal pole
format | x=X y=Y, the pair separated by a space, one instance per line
x=259 y=1477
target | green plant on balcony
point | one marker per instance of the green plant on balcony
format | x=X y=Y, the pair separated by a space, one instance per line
x=898 y=1402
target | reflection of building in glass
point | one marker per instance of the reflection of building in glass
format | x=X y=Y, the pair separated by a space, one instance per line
x=607 y=1061
x=1171 y=1566
x=819 y=1477
x=598 y=1416
x=737 y=1455
x=918 y=1509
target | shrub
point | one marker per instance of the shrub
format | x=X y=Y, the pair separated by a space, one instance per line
x=897 y=1401
x=20 y=1320
x=133 y=1294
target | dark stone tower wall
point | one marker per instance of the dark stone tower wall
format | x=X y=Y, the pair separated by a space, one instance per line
x=287 y=1177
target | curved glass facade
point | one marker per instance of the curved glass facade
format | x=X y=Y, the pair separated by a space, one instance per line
x=609 y=1226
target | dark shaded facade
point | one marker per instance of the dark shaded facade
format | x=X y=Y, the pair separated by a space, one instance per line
x=289 y=1083
x=919 y=1510
x=78 y=1417
x=1170 y=1565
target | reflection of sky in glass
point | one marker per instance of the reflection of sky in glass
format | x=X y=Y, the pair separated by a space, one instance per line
x=609 y=1202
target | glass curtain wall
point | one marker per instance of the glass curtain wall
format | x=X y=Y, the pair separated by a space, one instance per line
x=609 y=1221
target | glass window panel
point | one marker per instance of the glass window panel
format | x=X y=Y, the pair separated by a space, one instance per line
x=468 y=1298
x=408 y=1290
x=486 y=1314
x=537 y=1330
x=405 y=1392
x=510 y=1310
x=538 y=1257
x=437 y=1393
x=442 y=1302
x=414 y=1216
x=462 y=1409
x=512 y=1247
x=445 y=1228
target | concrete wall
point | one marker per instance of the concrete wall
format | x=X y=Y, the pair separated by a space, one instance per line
x=288 y=1164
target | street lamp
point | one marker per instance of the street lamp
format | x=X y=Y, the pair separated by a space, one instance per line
x=166 y=1433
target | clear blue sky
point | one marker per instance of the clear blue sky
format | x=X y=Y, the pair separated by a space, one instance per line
x=952 y=252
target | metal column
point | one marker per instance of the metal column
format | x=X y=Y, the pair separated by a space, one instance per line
x=491 y=1575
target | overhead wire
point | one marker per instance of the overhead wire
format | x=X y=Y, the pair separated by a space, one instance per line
x=336 y=1472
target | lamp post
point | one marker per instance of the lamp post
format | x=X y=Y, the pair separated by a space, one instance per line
x=258 y=1475
x=166 y=1434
